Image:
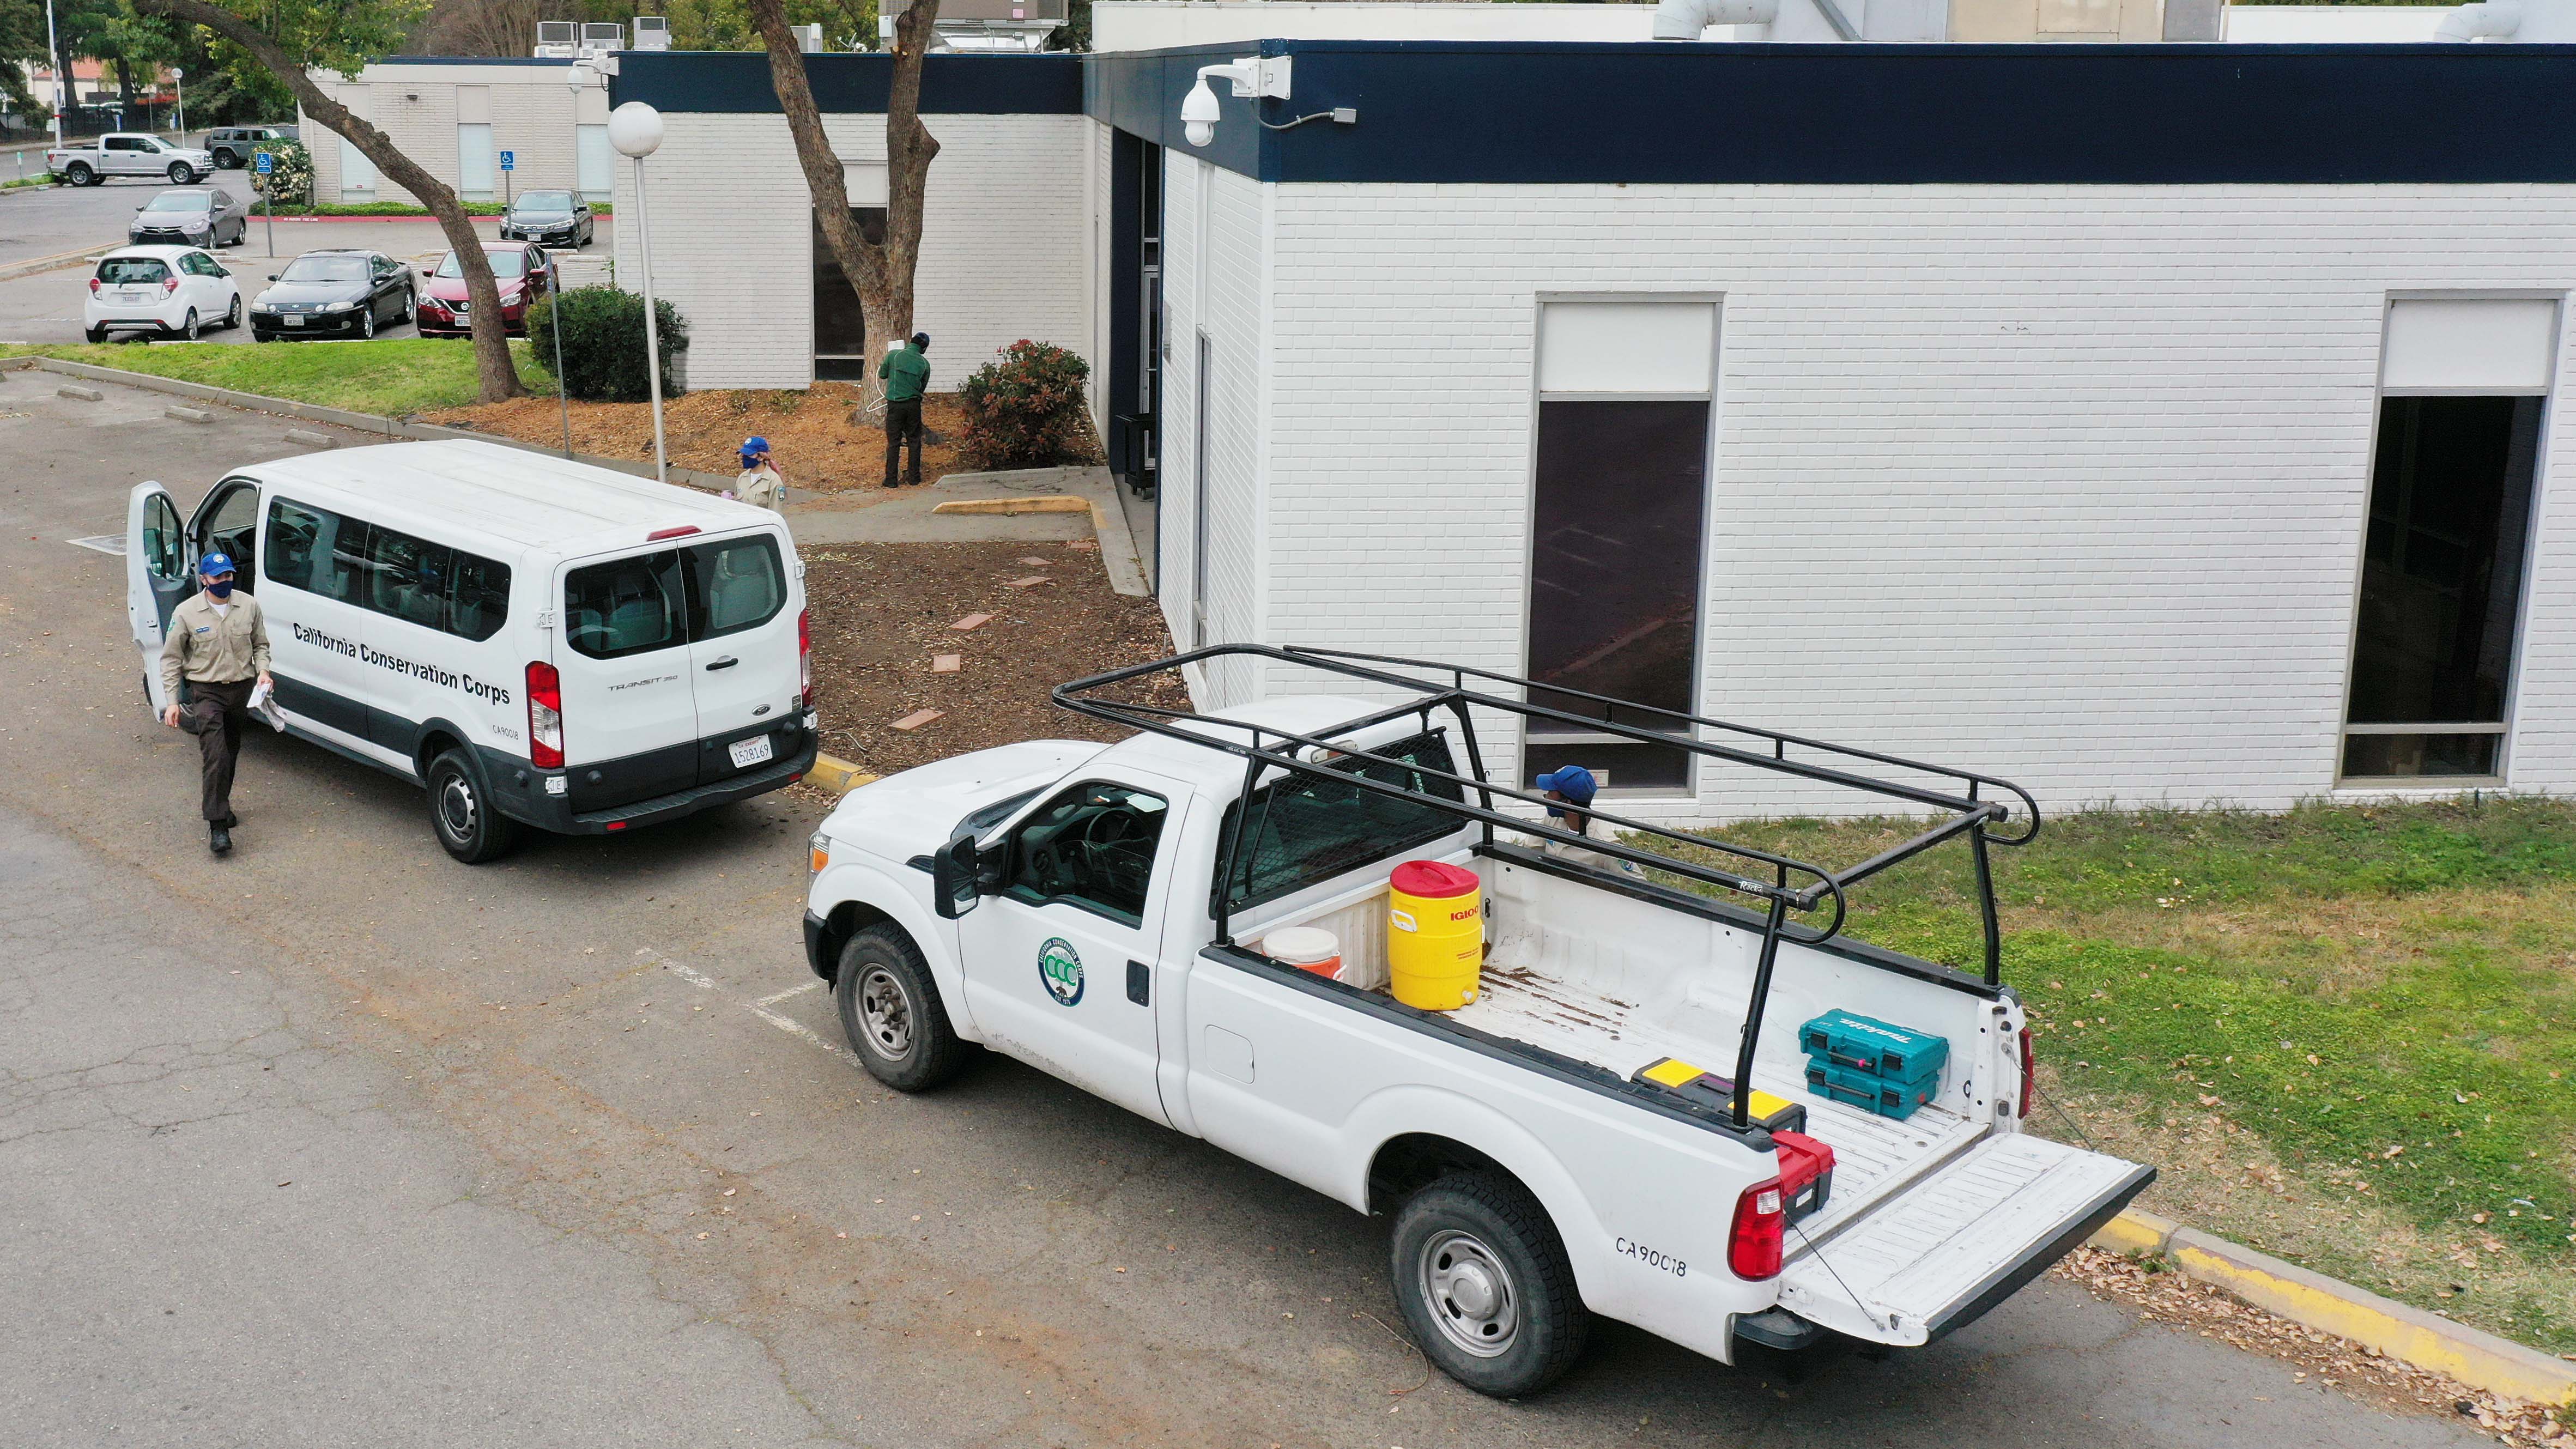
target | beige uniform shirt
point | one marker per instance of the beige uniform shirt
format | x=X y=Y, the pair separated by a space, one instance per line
x=1577 y=855
x=212 y=647
x=762 y=488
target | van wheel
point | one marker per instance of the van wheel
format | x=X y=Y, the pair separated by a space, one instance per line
x=467 y=825
x=1485 y=1285
x=890 y=1011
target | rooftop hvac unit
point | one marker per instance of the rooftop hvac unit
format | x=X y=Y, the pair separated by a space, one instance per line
x=558 y=38
x=983 y=25
x=602 y=37
x=652 y=32
x=809 y=38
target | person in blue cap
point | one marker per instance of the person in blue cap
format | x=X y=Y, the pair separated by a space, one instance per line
x=761 y=484
x=217 y=647
x=1571 y=788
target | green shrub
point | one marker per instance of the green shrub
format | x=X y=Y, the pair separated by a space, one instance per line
x=603 y=342
x=1025 y=409
x=292 y=180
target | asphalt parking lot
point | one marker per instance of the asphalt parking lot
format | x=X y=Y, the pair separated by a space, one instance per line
x=337 y=1141
x=45 y=306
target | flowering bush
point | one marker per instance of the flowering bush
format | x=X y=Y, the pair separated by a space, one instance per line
x=291 y=184
x=1024 y=409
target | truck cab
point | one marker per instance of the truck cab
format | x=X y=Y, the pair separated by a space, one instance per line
x=130 y=153
x=1102 y=913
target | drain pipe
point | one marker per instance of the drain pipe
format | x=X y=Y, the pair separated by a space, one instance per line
x=2488 y=19
x=1685 y=19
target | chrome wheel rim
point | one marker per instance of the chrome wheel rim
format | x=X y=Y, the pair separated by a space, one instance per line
x=1470 y=1293
x=885 y=1014
x=456 y=808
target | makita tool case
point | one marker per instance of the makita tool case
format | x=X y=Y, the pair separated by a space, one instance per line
x=1879 y=1048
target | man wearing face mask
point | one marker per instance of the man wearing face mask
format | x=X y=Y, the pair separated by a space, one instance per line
x=1566 y=789
x=218 y=644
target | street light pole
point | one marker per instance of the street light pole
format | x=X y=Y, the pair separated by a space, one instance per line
x=635 y=129
x=578 y=77
x=62 y=83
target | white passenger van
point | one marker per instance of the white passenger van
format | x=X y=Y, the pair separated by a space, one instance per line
x=536 y=641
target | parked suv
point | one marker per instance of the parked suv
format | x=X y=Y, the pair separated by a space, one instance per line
x=231 y=146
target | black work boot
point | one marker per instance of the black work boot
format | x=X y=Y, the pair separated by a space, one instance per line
x=219 y=838
x=231 y=821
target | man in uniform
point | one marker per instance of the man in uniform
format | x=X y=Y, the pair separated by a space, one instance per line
x=907 y=377
x=219 y=644
x=1567 y=788
x=761 y=484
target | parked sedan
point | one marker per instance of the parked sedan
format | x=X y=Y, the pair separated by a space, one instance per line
x=519 y=269
x=550 y=218
x=196 y=216
x=169 y=290
x=340 y=293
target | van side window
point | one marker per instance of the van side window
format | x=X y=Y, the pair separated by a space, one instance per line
x=626 y=606
x=1308 y=828
x=736 y=585
x=1092 y=846
x=479 y=602
x=313 y=549
x=406 y=578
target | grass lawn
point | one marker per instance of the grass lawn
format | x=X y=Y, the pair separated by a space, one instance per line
x=389 y=377
x=2345 y=1035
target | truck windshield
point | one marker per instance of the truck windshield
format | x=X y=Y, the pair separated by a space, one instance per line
x=1310 y=827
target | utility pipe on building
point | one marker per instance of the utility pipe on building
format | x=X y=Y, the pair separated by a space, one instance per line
x=1685 y=19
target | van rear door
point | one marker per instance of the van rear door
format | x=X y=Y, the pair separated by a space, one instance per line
x=743 y=652
x=630 y=718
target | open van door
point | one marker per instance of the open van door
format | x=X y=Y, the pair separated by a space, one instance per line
x=156 y=577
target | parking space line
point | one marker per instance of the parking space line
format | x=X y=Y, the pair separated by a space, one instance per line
x=760 y=1008
x=777 y=997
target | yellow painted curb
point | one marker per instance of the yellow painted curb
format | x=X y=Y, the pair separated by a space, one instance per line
x=1042 y=503
x=2410 y=1335
x=836 y=775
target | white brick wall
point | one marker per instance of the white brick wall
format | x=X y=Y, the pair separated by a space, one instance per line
x=2065 y=484
x=1003 y=247
x=532 y=116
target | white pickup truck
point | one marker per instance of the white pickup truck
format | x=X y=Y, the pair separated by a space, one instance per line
x=1098 y=912
x=130 y=153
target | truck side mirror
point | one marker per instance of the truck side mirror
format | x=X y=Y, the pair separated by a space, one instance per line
x=954 y=888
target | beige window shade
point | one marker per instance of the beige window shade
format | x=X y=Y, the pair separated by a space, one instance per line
x=1621 y=348
x=2470 y=345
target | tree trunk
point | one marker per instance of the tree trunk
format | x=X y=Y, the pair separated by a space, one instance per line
x=880 y=274
x=125 y=88
x=492 y=365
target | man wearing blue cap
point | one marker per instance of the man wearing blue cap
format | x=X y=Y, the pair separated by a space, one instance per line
x=218 y=645
x=761 y=484
x=1573 y=786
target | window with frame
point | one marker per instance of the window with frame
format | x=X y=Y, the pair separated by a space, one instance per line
x=677 y=596
x=1310 y=826
x=1092 y=847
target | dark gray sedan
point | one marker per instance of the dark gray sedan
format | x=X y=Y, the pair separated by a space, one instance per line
x=190 y=216
x=550 y=218
x=334 y=294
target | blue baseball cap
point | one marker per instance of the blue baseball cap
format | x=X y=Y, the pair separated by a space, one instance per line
x=754 y=445
x=213 y=564
x=1573 y=782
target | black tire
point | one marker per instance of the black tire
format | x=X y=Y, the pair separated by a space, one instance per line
x=411 y=307
x=232 y=315
x=182 y=174
x=891 y=1012
x=96 y=334
x=79 y=174
x=462 y=817
x=367 y=321
x=188 y=328
x=225 y=160
x=1474 y=1260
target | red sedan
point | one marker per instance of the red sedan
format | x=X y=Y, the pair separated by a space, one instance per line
x=518 y=268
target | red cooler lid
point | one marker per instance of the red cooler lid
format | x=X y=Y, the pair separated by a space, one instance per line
x=1433 y=879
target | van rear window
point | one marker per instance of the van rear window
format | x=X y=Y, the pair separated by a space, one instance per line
x=678 y=596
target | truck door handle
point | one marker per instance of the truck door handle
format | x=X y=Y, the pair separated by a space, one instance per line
x=1140 y=983
x=726 y=662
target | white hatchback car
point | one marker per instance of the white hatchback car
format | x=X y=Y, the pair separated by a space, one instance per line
x=170 y=290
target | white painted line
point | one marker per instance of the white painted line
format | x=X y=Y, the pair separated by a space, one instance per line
x=760 y=1008
x=774 y=999
x=792 y=1028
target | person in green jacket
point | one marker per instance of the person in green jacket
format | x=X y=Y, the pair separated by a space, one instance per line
x=907 y=377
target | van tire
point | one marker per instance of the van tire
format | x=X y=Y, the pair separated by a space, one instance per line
x=891 y=1012
x=461 y=813
x=1475 y=1253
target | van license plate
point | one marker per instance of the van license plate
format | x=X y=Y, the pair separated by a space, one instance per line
x=747 y=753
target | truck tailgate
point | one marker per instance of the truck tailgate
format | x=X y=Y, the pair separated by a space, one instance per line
x=1942 y=1251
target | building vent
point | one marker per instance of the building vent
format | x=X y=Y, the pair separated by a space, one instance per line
x=560 y=39
x=602 y=38
x=982 y=25
x=652 y=32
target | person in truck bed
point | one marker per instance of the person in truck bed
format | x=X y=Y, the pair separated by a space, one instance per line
x=1572 y=787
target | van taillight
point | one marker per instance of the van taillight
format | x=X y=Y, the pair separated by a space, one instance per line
x=1753 y=1244
x=2029 y=1074
x=805 y=657
x=545 y=716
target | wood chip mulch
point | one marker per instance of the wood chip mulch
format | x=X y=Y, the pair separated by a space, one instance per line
x=885 y=613
x=2316 y=1361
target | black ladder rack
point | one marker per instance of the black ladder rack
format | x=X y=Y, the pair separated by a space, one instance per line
x=1965 y=810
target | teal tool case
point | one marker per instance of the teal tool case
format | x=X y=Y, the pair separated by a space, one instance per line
x=1855 y=1088
x=1875 y=1065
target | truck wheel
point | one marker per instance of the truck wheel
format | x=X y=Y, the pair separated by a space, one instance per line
x=1485 y=1285
x=182 y=174
x=467 y=825
x=890 y=1011
x=79 y=174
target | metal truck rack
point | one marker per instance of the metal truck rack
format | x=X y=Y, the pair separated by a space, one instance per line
x=1966 y=811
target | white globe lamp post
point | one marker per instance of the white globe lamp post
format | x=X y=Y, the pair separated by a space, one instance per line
x=635 y=129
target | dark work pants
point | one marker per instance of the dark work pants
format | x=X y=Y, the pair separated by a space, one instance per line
x=903 y=425
x=215 y=715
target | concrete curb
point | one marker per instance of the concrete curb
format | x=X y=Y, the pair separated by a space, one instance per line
x=836 y=775
x=59 y=260
x=1119 y=555
x=342 y=417
x=2410 y=1335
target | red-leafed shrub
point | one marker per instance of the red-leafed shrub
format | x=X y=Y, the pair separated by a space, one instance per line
x=1025 y=409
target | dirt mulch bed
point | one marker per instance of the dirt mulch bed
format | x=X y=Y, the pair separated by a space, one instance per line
x=881 y=617
x=809 y=433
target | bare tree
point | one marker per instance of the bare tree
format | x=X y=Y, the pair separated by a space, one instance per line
x=493 y=369
x=480 y=27
x=880 y=272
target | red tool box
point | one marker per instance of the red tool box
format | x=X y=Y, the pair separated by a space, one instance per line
x=1806 y=1172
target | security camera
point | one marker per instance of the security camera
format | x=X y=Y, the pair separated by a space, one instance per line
x=1199 y=113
